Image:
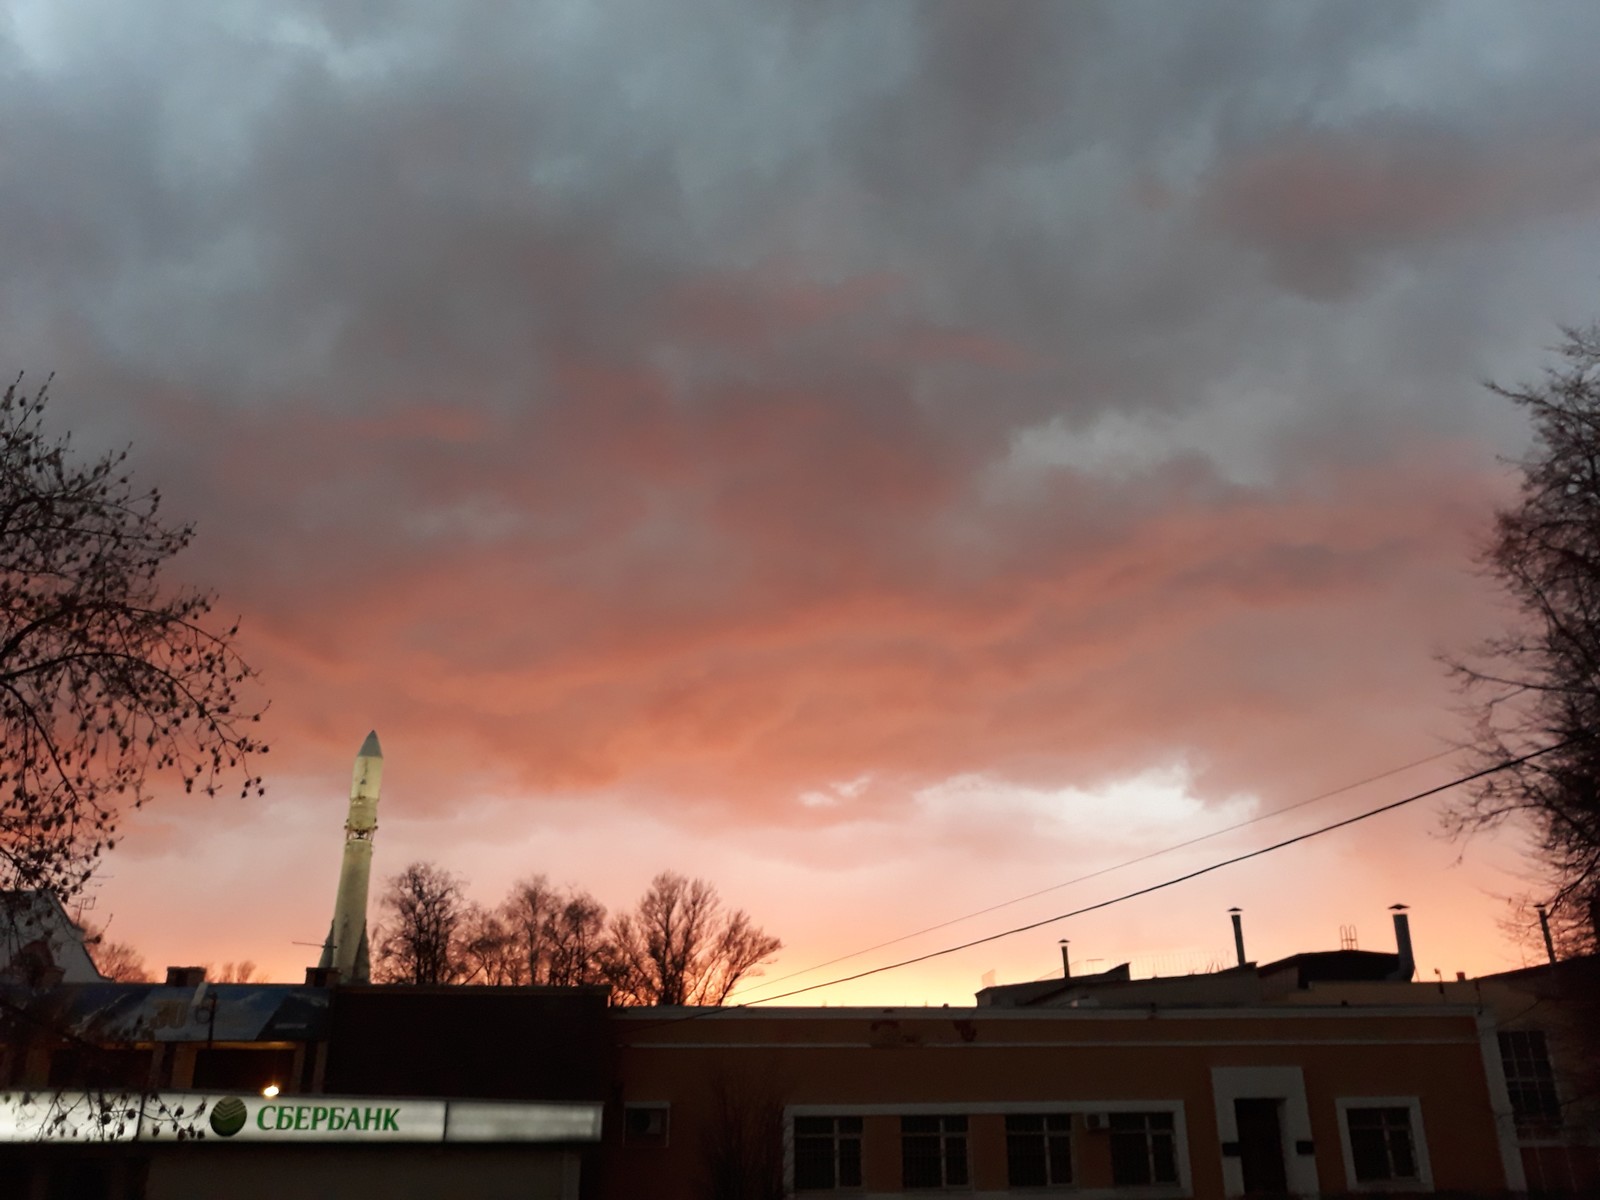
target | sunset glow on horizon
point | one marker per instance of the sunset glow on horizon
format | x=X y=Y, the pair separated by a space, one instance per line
x=885 y=460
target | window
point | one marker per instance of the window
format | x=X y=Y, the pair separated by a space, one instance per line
x=645 y=1124
x=827 y=1152
x=933 y=1151
x=1143 y=1148
x=1381 y=1145
x=1039 y=1149
x=1529 y=1079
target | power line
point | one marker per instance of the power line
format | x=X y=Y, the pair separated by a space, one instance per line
x=1055 y=887
x=1156 y=887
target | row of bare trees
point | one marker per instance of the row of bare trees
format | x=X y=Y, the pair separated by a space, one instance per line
x=680 y=945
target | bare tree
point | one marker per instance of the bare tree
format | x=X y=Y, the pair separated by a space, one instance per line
x=1538 y=684
x=577 y=941
x=243 y=971
x=681 y=947
x=489 y=951
x=539 y=935
x=559 y=933
x=107 y=678
x=420 y=937
x=120 y=962
x=525 y=914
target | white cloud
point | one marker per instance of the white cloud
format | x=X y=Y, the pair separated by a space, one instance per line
x=1232 y=428
x=1154 y=806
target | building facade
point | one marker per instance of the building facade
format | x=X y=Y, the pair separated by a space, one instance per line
x=146 y=1092
x=990 y=1102
x=1315 y=1076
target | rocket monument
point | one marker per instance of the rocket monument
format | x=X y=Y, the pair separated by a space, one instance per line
x=346 y=947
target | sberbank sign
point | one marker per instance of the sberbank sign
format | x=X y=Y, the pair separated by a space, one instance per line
x=225 y=1119
x=326 y=1119
x=309 y=1118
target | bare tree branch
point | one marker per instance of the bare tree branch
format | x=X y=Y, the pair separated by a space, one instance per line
x=1545 y=554
x=107 y=679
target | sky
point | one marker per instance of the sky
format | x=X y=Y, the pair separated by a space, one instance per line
x=886 y=459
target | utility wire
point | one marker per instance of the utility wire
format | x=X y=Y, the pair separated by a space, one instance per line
x=1156 y=887
x=1055 y=887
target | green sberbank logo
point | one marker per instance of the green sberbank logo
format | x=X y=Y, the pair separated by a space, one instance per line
x=228 y=1116
x=333 y=1118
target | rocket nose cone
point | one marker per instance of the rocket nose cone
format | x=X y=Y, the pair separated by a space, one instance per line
x=370 y=747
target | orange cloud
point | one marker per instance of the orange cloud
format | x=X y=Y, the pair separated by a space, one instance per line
x=727 y=601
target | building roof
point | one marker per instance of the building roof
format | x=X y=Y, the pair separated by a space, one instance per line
x=1336 y=966
x=1247 y=984
x=40 y=945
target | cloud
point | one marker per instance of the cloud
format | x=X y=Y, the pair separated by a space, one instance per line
x=1329 y=207
x=776 y=599
x=690 y=409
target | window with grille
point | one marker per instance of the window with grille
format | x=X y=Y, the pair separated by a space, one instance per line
x=827 y=1153
x=1143 y=1148
x=1382 y=1147
x=933 y=1151
x=1532 y=1084
x=1039 y=1149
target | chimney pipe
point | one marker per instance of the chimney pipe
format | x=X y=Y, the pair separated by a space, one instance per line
x=1066 y=964
x=1544 y=927
x=1238 y=934
x=1402 y=940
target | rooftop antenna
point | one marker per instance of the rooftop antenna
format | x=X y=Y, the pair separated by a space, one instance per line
x=84 y=900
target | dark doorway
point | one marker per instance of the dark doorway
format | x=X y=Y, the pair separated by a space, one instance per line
x=1261 y=1147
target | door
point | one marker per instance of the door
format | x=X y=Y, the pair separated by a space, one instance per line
x=1261 y=1146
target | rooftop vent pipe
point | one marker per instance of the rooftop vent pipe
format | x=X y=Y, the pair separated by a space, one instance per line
x=1066 y=965
x=1402 y=939
x=1238 y=934
x=1544 y=927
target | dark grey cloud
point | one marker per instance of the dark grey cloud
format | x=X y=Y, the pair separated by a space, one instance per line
x=276 y=197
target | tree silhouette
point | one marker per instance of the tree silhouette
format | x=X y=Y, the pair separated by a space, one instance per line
x=556 y=936
x=420 y=937
x=681 y=946
x=107 y=678
x=576 y=938
x=1538 y=684
x=116 y=960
